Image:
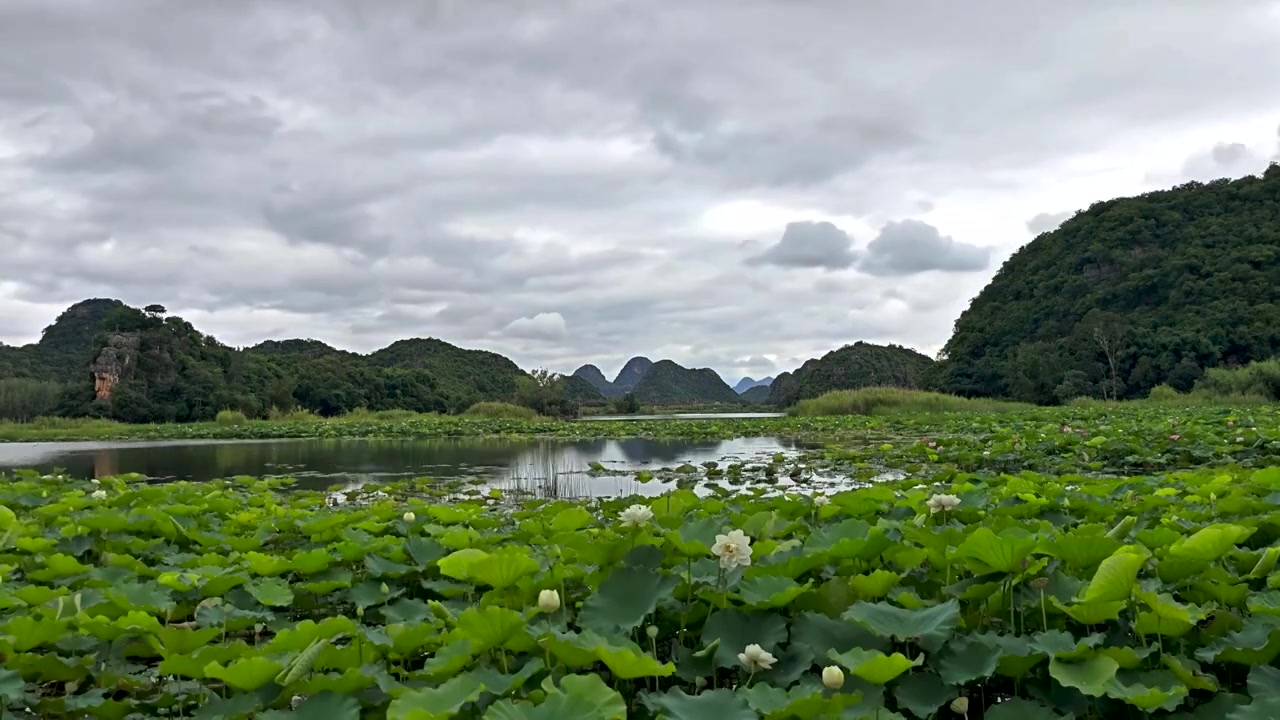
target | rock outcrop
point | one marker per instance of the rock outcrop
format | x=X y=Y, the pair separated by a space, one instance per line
x=113 y=362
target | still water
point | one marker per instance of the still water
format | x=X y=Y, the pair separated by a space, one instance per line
x=543 y=467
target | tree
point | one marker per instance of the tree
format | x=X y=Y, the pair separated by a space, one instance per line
x=155 y=310
x=543 y=392
x=626 y=405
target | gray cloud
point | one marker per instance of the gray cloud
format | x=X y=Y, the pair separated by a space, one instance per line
x=809 y=245
x=321 y=169
x=1229 y=160
x=906 y=247
x=1048 y=222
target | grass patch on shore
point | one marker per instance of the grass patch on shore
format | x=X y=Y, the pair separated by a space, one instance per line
x=885 y=401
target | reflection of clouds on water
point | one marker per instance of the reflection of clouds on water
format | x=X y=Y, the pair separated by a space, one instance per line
x=538 y=467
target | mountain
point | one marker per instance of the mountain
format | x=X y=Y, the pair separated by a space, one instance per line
x=666 y=383
x=65 y=347
x=849 y=368
x=592 y=376
x=756 y=395
x=747 y=383
x=1126 y=295
x=631 y=373
x=106 y=359
x=579 y=389
x=470 y=375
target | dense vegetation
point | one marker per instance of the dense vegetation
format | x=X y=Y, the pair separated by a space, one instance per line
x=162 y=369
x=851 y=367
x=1042 y=564
x=884 y=400
x=1129 y=294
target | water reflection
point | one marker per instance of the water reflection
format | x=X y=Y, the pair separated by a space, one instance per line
x=538 y=467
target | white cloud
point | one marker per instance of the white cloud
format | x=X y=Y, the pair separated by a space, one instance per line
x=543 y=326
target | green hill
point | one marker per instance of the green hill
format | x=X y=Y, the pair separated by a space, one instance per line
x=65 y=347
x=1126 y=295
x=666 y=383
x=465 y=376
x=756 y=395
x=851 y=367
x=591 y=375
x=578 y=389
x=631 y=374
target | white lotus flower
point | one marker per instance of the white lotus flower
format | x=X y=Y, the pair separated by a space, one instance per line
x=960 y=705
x=756 y=658
x=409 y=517
x=833 y=677
x=635 y=516
x=821 y=500
x=733 y=549
x=96 y=481
x=99 y=495
x=548 y=601
x=942 y=503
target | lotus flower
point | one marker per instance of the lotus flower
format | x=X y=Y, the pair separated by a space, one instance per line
x=99 y=495
x=942 y=503
x=409 y=517
x=636 y=516
x=733 y=549
x=833 y=677
x=548 y=601
x=755 y=658
x=821 y=500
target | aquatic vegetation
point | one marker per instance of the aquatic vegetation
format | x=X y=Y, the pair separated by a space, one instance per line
x=1030 y=596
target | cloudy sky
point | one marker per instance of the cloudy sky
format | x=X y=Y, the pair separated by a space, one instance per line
x=739 y=184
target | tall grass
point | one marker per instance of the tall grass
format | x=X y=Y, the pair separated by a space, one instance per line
x=230 y=417
x=501 y=411
x=1257 y=379
x=1166 y=396
x=23 y=399
x=887 y=401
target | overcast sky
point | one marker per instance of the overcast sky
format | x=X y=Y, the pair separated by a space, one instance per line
x=739 y=184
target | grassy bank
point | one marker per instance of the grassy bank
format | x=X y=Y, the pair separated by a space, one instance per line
x=886 y=401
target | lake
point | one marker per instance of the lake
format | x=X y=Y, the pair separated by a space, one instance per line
x=542 y=467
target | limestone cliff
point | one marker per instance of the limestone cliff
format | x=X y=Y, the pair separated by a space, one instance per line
x=113 y=362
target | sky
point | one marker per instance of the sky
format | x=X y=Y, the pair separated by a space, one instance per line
x=735 y=184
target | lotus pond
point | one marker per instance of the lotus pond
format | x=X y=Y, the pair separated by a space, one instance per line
x=972 y=596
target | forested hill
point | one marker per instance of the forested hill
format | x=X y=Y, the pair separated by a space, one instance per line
x=851 y=367
x=104 y=358
x=667 y=383
x=1126 y=295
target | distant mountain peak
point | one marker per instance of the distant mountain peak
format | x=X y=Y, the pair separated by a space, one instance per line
x=747 y=383
x=631 y=373
x=591 y=374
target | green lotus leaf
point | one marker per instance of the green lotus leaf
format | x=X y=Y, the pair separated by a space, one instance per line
x=370 y=593
x=1020 y=709
x=580 y=697
x=1210 y=543
x=457 y=565
x=1116 y=577
x=625 y=598
x=1188 y=672
x=492 y=627
x=424 y=551
x=132 y=595
x=266 y=565
x=967 y=659
x=1081 y=552
x=570 y=519
x=449 y=660
x=1166 y=616
x=183 y=641
x=1256 y=643
x=874 y=666
x=923 y=693
x=988 y=552
x=247 y=674
x=735 y=630
x=503 y=568
x=305 y=633
x=311 y=561
x=1264 y=695
x=1168 y=695
x=770 y=591
x=29 y=632
x=57 y=566
x=271 y=592
x=624 y=658
x=1093 y=677
x=706 y=705
x=328 y=581
x=695 y=537
x=12 y=686
x=380 y=567
x=322 y=705
x=8 y=520
x=1091 y=613
x=445 y=700
x=350 y=682
x=932 y=624
x=874 y=585
x=817 y=634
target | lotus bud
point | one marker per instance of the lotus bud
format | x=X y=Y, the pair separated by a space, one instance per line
x=960 y=706
x=409 y=517
x=700 y=682
x=548 y=601
x=651 y=631
x=360 y=612
x=833 y=677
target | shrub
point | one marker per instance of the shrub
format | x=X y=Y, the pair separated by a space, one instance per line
x=231 y=417
x=500 y=411
x=24 y=400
